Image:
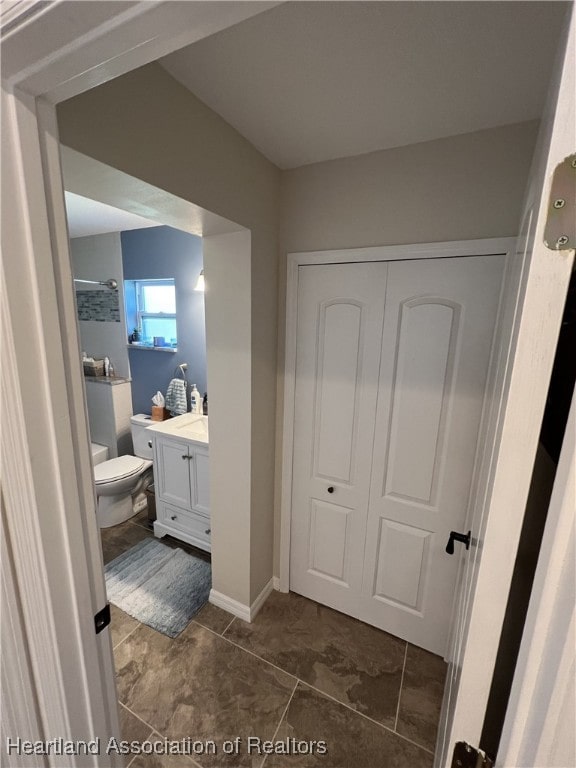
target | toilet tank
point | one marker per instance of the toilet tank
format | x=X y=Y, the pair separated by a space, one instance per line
x=140 y=437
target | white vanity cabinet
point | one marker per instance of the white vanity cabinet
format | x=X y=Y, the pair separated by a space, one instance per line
x=181 y=477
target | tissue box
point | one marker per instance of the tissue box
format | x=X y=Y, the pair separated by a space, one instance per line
x=159 y=413
x=93 y=369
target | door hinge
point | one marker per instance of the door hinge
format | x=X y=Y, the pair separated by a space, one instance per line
x=560 y=229
x=466 y=756
x=102 y=618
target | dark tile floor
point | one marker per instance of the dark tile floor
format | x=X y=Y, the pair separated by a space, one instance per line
x=300 y=671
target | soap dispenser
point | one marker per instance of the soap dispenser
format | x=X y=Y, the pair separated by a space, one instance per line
x=195 y=401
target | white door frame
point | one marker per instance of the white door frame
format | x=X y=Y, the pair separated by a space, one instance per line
x=539 y=726
x=54 y=574
x=515 y=427
x=81 y=46
x=452 y=249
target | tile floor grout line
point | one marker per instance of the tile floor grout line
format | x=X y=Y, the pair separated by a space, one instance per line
x=135 y=522
x=228 y=626
x=135 y=755
x=366 y=717
x=118 y=644
x=199 y=624
x=299 y=680
x=190 y=758
x=281 y=719
x=271 y=664
x=127 y=708
x=386 y=728
x=154 y=732
x=400 y=691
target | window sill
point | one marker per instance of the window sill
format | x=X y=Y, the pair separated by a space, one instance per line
x=147 y=348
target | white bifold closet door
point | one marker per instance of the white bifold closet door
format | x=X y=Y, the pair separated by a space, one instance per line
x=391 y=367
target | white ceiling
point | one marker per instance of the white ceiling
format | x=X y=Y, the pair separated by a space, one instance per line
x=313 y=81
x=89 y=217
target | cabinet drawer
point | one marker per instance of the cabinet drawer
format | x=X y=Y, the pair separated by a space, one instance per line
x=195 y=525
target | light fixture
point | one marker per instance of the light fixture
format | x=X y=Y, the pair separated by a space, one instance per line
x=200 y=282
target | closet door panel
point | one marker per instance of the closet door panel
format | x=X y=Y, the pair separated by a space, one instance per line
x=426 y=339
x=436 y=345
x=340 y=316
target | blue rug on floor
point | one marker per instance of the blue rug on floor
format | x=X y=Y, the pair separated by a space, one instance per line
x=159 y=586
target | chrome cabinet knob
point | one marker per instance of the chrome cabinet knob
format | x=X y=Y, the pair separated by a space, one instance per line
x=149 y=443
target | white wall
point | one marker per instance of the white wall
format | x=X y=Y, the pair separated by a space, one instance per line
x=99 y=257
x=458 y=188
x=462 y=187
x=229 y=365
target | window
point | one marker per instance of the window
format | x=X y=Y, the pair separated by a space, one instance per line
x=151 y=308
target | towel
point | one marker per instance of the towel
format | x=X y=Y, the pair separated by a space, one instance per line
x=176 y=397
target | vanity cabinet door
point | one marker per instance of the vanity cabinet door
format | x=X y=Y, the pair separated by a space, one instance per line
x=173 y=476
x=200 y=481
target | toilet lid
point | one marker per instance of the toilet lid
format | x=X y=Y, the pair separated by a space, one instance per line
x=116 y=469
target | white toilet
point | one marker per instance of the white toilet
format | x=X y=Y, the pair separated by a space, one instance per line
x=120 y=482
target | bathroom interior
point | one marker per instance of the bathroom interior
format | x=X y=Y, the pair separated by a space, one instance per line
x=140 y=303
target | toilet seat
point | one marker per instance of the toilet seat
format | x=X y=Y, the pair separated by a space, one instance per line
x=119 y=468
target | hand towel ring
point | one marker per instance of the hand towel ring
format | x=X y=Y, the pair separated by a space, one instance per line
x=180 y=369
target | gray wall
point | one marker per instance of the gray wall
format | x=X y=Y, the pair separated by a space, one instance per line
x=163 y=252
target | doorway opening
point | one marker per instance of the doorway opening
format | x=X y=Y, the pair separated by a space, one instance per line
x=192 y=241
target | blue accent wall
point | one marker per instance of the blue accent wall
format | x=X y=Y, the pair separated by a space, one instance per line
x=163 y=252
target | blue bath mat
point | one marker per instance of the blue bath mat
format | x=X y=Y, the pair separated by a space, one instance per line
x=159 y=586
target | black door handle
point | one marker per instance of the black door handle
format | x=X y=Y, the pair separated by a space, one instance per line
x=455 y=536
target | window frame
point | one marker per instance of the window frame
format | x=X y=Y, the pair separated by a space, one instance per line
x=142 y=314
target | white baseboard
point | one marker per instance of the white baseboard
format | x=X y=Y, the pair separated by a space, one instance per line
x=278 y=585
x=241 y=610
x=261 y=599
x=229 y=604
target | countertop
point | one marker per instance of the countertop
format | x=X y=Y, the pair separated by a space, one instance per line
x=111 y=381
x=190 y=426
